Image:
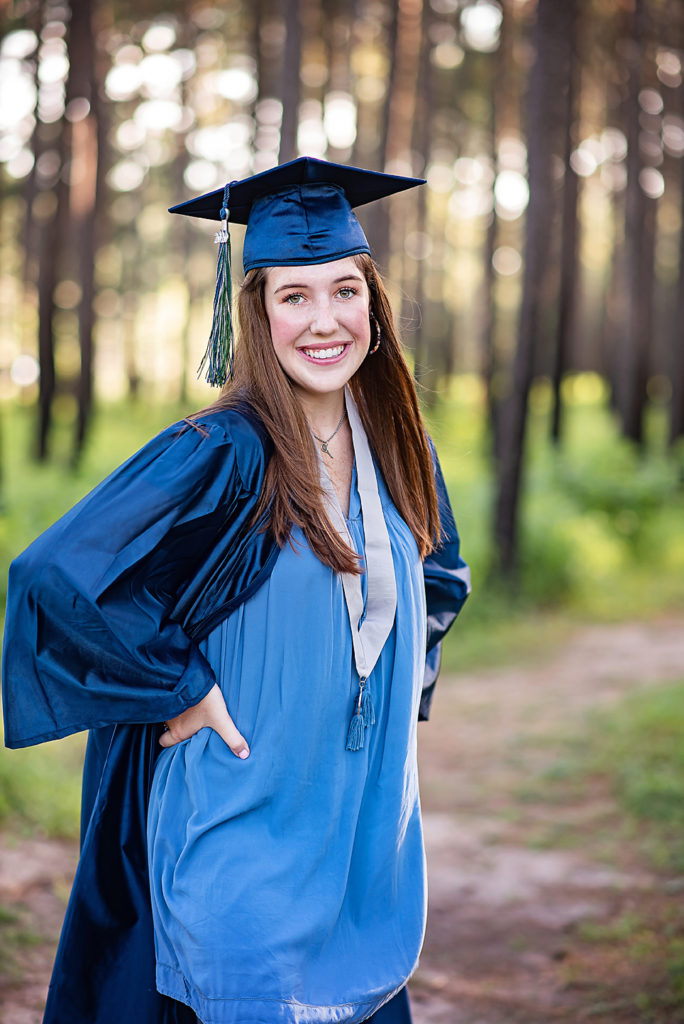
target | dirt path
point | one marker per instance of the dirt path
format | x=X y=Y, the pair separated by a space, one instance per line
x=512 y=876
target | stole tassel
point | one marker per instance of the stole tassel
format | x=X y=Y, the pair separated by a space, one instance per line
x=367 y=709
x=364 y=715
x=218 y=357
x=355 y=734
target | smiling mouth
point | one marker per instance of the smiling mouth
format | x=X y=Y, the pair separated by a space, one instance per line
x=324 y=355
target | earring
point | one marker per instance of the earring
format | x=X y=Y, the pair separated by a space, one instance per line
x=378 y=335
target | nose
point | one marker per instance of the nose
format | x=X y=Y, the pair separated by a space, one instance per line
x=323 y=320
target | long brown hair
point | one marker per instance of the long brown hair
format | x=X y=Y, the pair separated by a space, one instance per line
x=385 y=393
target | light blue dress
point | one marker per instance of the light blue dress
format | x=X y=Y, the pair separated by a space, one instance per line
x=290 y=887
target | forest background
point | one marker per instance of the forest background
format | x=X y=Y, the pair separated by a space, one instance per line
x=538 y=278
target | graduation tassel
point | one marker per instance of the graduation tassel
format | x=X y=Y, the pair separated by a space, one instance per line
x=218 y=357
x=363 y=713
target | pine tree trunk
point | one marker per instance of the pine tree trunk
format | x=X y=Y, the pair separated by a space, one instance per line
x=543 y=86
x=291 y=83
x=421 y=135
x=47 y=280
x=639 y=243
x=569 y=232
x=676 y=430
x=86 y=184
x=377 y=216
x=499 y=83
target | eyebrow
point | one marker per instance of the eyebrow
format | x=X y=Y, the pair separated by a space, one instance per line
x=339 y=280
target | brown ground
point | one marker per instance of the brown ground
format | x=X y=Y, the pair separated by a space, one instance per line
x=515 y=877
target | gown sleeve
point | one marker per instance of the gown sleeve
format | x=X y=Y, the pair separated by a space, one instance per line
x=89 y=640
x=447 y=585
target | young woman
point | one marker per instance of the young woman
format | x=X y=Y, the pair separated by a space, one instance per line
x=247 y=616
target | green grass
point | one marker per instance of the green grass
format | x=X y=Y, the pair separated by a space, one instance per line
x=639 y=748
x=634 y=751
x=14 y=936
x=630 y=960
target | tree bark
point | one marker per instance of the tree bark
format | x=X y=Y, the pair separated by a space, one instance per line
x=544 y=84
x=86 y=186
x=632 y=371
x=421 y=136
x=47 y=280
x=34 y=21
x=569 y=233
x=291 y=82
x=676 y=426
x=500 y=81
x=377 y=215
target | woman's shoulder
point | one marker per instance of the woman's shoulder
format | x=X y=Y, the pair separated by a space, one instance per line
x=237 y=429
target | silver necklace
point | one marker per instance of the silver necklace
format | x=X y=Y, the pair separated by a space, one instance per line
x=324 y=444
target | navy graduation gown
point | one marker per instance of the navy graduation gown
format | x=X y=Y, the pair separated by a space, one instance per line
x=104 y=614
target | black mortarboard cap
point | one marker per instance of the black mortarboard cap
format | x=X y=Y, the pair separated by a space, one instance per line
x=298 y=213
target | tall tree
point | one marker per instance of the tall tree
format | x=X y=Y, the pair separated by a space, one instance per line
x=500 y=90
x=676 y=430
x=82 y=111
x=34 y=22
x=377 y=216
x=545 y=83
x=421 y=135
x=290 y=91
x=569 y=227
x=633 y=363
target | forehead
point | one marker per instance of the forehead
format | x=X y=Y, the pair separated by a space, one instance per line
x=314 y=273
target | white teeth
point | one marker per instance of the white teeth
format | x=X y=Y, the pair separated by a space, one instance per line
x=324 y=353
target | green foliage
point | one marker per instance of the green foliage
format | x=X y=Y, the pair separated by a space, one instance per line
x=33 y=496
x=601 y=526
x=40 y=788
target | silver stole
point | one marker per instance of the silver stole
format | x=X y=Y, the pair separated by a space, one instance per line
x=369 y=637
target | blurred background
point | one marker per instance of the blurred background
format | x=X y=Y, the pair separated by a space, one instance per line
x=537 y=280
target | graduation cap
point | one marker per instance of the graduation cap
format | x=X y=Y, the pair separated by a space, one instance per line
x=297 y=214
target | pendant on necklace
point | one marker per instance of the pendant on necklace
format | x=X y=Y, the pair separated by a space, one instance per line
x=324 y=442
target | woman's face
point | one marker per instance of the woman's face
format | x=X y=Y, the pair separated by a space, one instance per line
x=320 y=328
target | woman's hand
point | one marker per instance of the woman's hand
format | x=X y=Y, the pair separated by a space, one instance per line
x=211 y=711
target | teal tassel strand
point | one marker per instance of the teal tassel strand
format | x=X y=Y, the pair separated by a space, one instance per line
x=367 y=709
x=355 y=735
x=218 y=358
x=364 y=715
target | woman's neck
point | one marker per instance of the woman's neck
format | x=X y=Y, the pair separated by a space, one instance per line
x=323 y=412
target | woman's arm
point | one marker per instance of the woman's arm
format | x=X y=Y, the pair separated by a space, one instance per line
x=88 y=638
x=447 y=585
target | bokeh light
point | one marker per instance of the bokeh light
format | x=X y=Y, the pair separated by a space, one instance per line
x=340 y=119
x=506 y=261
x=19 y=44
x=652 y=182
x=512 y=194
x=481 y=24
x=24 y=371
